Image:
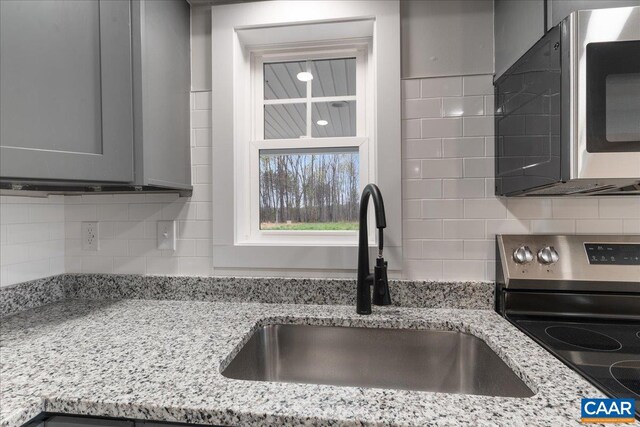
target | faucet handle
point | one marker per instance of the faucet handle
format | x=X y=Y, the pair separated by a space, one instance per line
x=381 y=294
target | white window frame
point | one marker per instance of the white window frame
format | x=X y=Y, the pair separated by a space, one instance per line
x=248 y=211
x=235 y=30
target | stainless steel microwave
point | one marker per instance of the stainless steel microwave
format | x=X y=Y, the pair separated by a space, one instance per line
x=567 y=114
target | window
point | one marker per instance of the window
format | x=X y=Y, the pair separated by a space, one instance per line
x=309 y=145
x=265 y=142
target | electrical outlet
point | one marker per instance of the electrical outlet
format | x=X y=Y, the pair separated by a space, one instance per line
x=90 y=236
x=167 y=235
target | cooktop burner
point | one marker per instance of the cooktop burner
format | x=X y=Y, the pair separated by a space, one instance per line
x=627 y=373
x=583 y=338
x=607 y=354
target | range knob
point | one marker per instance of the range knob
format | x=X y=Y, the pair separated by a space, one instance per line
x=522 y=255
x=548 y=255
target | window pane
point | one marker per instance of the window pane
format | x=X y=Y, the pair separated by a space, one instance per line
x=284 y=121
x=309 y=189
x=281 y=80
x=333 y=77
x=330 y=119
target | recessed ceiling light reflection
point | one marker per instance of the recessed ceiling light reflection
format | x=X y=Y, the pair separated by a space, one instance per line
x=322 y=122
x=304 y=76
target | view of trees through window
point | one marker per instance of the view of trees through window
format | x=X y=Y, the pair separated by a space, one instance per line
x=309 y=191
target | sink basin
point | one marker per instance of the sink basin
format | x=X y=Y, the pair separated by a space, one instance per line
x=427 y=360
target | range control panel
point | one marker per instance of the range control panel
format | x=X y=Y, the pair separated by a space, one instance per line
x=613 y=253
x=576 y=262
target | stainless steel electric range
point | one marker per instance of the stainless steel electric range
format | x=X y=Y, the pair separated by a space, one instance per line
x=578 y=297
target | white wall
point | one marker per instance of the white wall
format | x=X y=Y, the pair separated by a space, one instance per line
x=31 y=238
x=450 y=215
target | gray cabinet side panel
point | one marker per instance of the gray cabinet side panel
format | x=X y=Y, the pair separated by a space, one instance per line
x=560 y=9
x=164 y=100
x=518 y=25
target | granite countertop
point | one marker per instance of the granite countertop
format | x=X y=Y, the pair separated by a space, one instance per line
x=161 y=360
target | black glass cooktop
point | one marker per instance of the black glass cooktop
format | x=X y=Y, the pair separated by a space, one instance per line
x=607 y=354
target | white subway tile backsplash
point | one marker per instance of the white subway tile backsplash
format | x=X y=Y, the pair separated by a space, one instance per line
x=410 y=89
x=412 y=249
x=411 y=129
x=202 y=101
x=529 y=208
x=450 y=216
x=442 y=168
x=412 y=169
x=463 y=106
x=443 y=127
x=441 y=86
x=162 y=266
x=631 y=226
x=463 y=229
x=442 y=208
x=422 y=229
x=553 y=226
x=484 y=208
x=128 y=265
x=463 y=188
x=575 y=208
x=599 y=226
x=478 y=85
x=14 y=213
x=97 y=264
x=421 y=189
x=614 y=207
x=481 y=167
x=201 y=119
x=463 y=147
x=442 y=249
x=422 y=269
x=422 y=148
x=478 y=126
x=114 y=212
x=479 y=249
x=420 y=108
x=463 y=270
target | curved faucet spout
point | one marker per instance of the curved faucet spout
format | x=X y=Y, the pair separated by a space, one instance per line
x=365 y=279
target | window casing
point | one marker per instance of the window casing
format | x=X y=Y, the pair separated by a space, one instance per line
x=248 y=229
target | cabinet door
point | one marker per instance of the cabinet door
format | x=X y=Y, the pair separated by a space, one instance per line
x=559 y=9
x=518 y=26
x=65 y=90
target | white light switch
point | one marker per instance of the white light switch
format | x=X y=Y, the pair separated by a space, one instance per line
x=167 y=235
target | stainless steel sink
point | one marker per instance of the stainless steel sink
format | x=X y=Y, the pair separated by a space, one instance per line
x=439 y=361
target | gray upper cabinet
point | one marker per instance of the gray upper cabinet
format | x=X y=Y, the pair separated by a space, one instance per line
x=66 y=90
x=557 y=10
x=517 y=25
x=95 y=93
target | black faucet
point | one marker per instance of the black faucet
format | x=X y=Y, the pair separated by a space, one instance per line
x=379 y=277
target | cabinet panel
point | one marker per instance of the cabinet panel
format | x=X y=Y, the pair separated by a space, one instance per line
x=559 y=9
x=518 y=26
x=162 y=73
x=65 y=80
